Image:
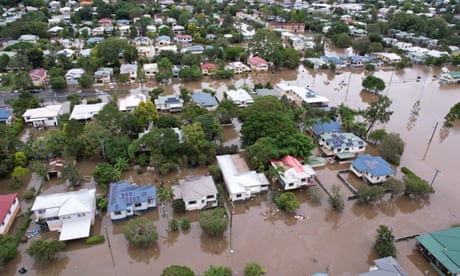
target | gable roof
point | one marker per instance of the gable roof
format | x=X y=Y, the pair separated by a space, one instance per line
x=257 y=61
x=322 y=127
x=42 y=112
x=86 y=111
x=387 y=266
x=60 y=204
x=5 y=204
x=444 y=245
x=342 y=139
x=374 y=165
x=122 y=194
x=292 y=169
x=4 y=114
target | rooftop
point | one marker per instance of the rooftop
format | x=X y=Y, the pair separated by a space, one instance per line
x=5 y=204
x=374 y=165
x=123 y=194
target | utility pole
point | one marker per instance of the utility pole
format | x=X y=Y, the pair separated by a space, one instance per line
x=434 y=177
x=429 y=141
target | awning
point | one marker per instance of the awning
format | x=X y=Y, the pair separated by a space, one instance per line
x=345 y=155
x=75 y=229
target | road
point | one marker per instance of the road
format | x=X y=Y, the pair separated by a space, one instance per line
x=50 y=96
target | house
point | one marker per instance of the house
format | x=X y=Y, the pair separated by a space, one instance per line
x=150 y=70
x=55 y=30
x=258 y=64
x=302 y=95
x=262 y=92
x=73 y=75
x=6 y=117
x=143 y=41
x=131 y=102
x=146 y=52
x=97 y=31
x=126 y=199
x=389 y=58
x=28 y=38
x=208 y=69
x=43 y=116
x=130 y=70
x=170 y=103
x=68 y=53
x=238 y=67
x=441 y=249
x=105 y=22
x=240 y=97
x=204 y=100
x=451 y=77
x=356 y=32
x=55 y=166
x=387 y=266
x=9 y=208
x=70 y=213
x=163 y=40
x=176 y=69
x=172 y=48
x=292 y=173
x=84 y=112
x=197 y=192
x=183 y=38
x=293 y=27
x=103 y=75
x=372 y=169
x=194 y=49
x=343 y=145
x=240 y=185
x=325 y=127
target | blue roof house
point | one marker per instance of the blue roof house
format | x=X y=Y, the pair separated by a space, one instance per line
x=6 y=116
x=126 y=199
x=324 y=127
x=372 y=169
x=204 y=100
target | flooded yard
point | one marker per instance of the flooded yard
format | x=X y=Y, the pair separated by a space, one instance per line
x=340 y=244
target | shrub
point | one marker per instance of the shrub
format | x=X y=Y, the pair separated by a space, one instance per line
x=184 y=224
x=102 y=203
x=173 y=225
x=336 y=199
x=177 y=270
x=143 y=159
x=178 y=206
x=385 y=242
x=314 y=194
x=253 y=269
x=406 y=171
x=369 y=195
x=141 y=232
x=218 y=271
x=29 y=194
x=95 y=239
x=214 y=222
x=7 y=248
x=288 y=202
x=43 y=251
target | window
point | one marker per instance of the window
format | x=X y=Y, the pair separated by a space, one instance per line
x=291 y=185
x=238 y=195
x=81 y=215
x=192 y=202
x=303 y=179
x=137 y=204
x=117 y=212
x=41 y=211
x=128 y=211
x=210 y=196
x=202 y=201
x=150 y=201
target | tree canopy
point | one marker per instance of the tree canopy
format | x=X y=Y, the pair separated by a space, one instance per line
x=385 y=242
x=373 y=84
x=214 y=222
x=141 y=232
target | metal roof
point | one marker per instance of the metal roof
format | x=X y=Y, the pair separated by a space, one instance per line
x=374 y=165
x=123 y=194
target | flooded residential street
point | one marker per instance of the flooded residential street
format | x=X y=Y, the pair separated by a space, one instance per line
x=340 y=244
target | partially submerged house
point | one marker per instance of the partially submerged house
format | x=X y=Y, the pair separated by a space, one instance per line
x=43 y=116
x=131 y=102
x=9 y=208
x=372 y=169
x=55 y=166
x=84 y=112
x=240 y=97
x=292 y=173
x=240 y=185
x=258 y=64
x=302 y=95
x=442 y=250
x=452 y=77
x=387 y=266
x=197 y=192
x=70 y=213
x=126 y=199
x=130 y=70
x=204 y=100
x=169 y=103
x=344 y=145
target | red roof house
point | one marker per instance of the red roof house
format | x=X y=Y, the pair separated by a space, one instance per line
x=207 y=68
x=9 y=208
x=39 y=76
x=258 y=64
x=105 y=22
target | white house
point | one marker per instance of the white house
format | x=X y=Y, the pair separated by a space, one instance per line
x=86 y=111
x=343 y=143
x=372 y=169
x=302 y=94
x=238 y=67
x=73 y=75
x=240 y=97
x=70 y=213
x=9 y=208
x=197 y=192
x=171 y=103
x=292 y=173
x=131 y=102
x=241 y=185
x=389 y=58
x=145 y=51
x=150 y=69
x=130 y=70
x=126 y=199
x=43 y=116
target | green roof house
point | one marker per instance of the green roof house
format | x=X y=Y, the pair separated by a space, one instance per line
x=442 y=249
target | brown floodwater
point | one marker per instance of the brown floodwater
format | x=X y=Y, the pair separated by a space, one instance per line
x=340 y=244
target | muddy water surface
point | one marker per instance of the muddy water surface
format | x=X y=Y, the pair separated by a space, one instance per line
x=323 y=241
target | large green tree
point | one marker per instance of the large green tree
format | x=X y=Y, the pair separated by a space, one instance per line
x=177 y=270
x=198 y=149
x=378 y=111
x=373 y=84
x=109 y=49
x=385 y=242
x=214 y=222
x=210 y=125
x=141 y=232
x=44 y=251
x=391 y=148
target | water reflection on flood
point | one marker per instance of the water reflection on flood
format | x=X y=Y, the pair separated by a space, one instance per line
x=283 y=244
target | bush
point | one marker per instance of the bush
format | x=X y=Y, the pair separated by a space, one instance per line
x=369 y=195
x=141 y=232
x=43 y=251
x=178 y=206
x=336 y=199
x=314 y=194
x=184 y=224
x=385 y=242
x=214 y=222
x=177 y=270
x=253 y=269
x=29 y=194
x=95 y=239
x=288 y=202
x=143 y=159
x=102 y=203
x=218 y=271
x=406 y=171
x=173 y=225
x=7 y=248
